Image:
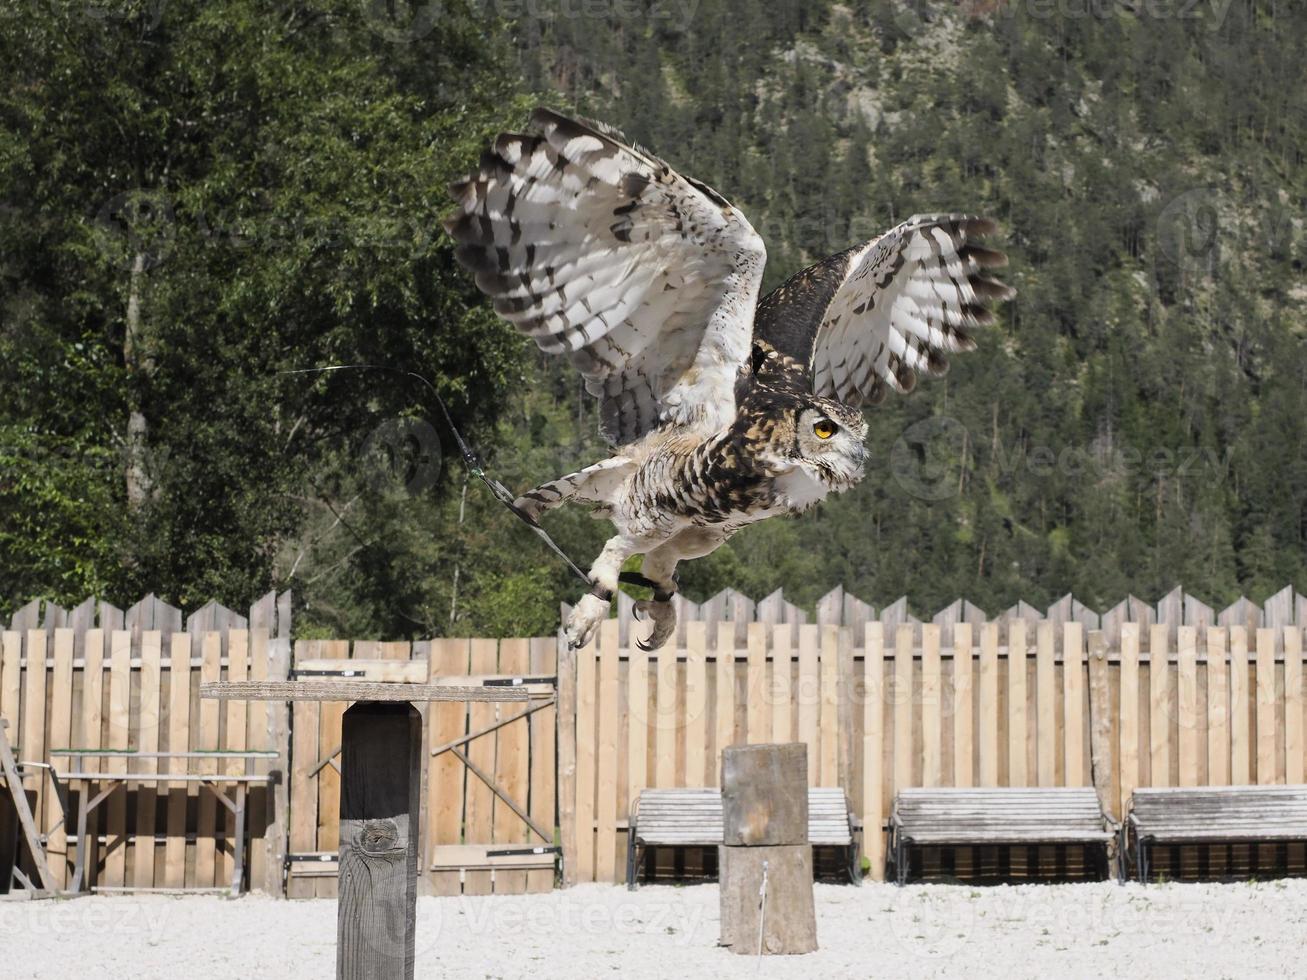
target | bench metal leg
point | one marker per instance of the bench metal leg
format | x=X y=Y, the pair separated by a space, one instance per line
x=901 y=858
x=630 y=859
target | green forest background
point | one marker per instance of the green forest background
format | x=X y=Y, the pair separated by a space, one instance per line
x=198 y=200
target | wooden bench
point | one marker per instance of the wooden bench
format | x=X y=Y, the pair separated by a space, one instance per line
x=692 y=817
x=955 y=817
x=84 y=780
x=1212 y=815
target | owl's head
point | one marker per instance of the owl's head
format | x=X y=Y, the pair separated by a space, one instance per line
x=828 y=440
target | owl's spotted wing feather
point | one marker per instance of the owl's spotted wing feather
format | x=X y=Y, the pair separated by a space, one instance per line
x=876 y=315
x=596 y=249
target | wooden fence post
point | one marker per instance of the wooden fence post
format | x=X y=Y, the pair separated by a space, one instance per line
x=277 y=797
x=380 y=797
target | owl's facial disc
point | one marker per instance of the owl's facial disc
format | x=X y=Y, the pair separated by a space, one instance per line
x=829 y=440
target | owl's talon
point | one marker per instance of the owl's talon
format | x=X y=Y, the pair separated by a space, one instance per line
x=585 y=619
x=663 y=615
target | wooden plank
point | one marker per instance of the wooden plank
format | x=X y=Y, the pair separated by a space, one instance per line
x=568 y=724
x=963 y=733
x=234 y=738
x=277 y=800
x=1294 y=748
x=1046 y=742
x=988 y=706
x=179 y=740
x=847 y=773
x=32 y=744
x=586 y=724
x=1159 y=705
x=59 y=736
x=1267 y=728
x=830 y=706
x=809 y=695
x=723 y=696
x=782 y=684
x=349 y=690
x=873 y=776
x=91 y=733
x=544 y=773
x=1129 y=721
x=931 y=717
x=381 y=667
x=305 y=731
x=606 y=786
x=148 y=718
x=478 y=817
x=258 y=737
x=332 y=653
x=1018 y=730
x=757 y=703
x=445 y=776
x=1073 y=692
x=1102 y=752
x=637 y=713
x=512 y=769
x=1240 y=747
x=902 y=699
x=665 y=717
x=1218 y=707
x=120 y=692
x=379 y=812
x=11 y=679
x=207 y=739
x=1187 y=697
x=696 y=703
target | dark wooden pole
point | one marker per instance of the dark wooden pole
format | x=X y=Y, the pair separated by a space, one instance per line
x=765 y=837
x=380 y=789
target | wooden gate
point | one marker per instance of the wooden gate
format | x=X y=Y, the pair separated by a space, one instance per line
x=489 y=798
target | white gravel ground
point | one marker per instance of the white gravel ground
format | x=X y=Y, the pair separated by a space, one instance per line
x=1087 y=930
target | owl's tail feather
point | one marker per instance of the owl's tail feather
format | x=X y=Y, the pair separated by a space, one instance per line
x=596 y=484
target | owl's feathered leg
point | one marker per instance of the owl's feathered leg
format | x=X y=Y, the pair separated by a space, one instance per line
x=593 y=607
x=659 y=568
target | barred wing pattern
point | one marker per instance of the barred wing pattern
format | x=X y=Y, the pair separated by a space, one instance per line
x=596 y=249
x=873 y=317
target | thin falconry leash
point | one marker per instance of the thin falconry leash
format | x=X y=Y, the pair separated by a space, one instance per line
x=501 y=493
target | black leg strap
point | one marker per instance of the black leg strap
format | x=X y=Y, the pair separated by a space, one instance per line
x=599 y=592
x=659 y=593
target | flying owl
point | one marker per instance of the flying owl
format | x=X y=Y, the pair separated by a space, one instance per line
x=722 y=410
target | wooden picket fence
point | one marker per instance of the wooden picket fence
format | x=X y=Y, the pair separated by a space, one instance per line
x=1141 y=696
x=100 y=678
x=97 y=677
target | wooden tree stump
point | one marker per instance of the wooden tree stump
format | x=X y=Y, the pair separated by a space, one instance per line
x=765 y=832
x=381 y=751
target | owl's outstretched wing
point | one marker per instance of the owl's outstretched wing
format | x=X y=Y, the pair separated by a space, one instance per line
x=597 y=249
x=876 y=315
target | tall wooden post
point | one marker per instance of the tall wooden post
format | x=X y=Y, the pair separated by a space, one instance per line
x=380 y=796
x=765 y=857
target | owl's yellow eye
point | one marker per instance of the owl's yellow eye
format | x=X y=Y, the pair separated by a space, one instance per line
x=824 y=429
